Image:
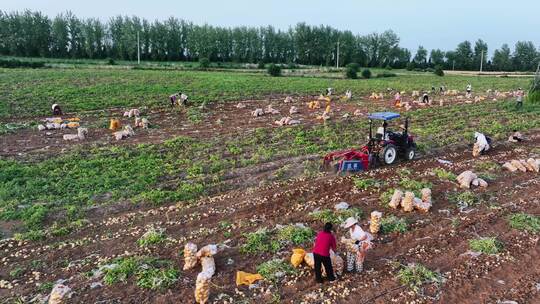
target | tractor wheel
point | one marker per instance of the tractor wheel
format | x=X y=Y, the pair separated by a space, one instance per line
x=410 y=153
x=389 y=154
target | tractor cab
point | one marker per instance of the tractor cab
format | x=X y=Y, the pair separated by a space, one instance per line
x=387 y=143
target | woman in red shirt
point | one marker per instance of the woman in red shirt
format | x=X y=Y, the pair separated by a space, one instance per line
x=324 y=241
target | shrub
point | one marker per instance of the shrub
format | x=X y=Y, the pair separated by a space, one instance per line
x=259 y=241
x=157 y=278
x=386 y=196
x=438 y=71
x=261 y=65
x=392 y=223
x=353 y=65
x=463 y=199
x=416 y=275
x=486 y=245
x=34 y=216
x=32 y=235
x=111 y=61
x=523 y=221
x=270 y=269
x=351 y=73
x=486 y=166
x=443 y=174
x=366 y=73
x=204 y=63
x=413 y=185
x=410 y=66
x=57 y=230
x=367 y=183
x=14 y=63
x=121 y=271
x=151 y=237
x=296 y=235
x=274 y=70
x=46 y=287
x=16 y=272
x=150 y=273
x=292 y=66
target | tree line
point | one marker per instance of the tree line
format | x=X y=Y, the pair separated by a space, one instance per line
x=33 y=34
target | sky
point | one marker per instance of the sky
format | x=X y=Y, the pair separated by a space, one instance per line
x=430 y=23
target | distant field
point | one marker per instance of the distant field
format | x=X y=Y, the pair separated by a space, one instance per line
x=26 y=92
x=213 y=173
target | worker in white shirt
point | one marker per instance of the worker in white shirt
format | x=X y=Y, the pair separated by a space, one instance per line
x=357 y=246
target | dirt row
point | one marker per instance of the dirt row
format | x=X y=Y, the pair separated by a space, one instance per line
x=215 y=119
x=438 y=240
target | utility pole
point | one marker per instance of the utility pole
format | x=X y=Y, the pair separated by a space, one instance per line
x=481 y=61
x=453 y=64
x=138 y=49
x=337 y=57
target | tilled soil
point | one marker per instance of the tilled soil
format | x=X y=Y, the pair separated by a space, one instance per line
x=216 y=119
x=438 y=240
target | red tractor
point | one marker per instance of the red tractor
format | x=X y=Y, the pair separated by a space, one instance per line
x=383 y=148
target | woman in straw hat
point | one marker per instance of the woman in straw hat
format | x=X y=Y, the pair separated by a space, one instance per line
x=358 y=244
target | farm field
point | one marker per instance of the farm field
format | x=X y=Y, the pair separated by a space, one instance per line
x=213 y=173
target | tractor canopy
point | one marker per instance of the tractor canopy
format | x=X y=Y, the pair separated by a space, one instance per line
x=386 y=116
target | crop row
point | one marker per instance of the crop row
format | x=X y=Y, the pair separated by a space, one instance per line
x=184 y=168
x=31 y=92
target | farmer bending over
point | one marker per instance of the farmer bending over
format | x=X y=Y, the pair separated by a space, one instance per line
x=173 y=98
x=515 y=137
x=425 y=98
x=56 y=111
x=178 y=96
x=324 y=241
x=184 y=99
x=482 y=141
x=441 y=90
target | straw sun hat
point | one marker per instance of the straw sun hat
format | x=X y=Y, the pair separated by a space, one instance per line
x=349 y=222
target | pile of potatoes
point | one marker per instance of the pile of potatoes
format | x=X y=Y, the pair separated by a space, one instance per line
x=409 y=202
x=127 y=132
x=375 y=96
x=257 y=112
x=81 y=135
x=468 y=178
x=315 y=104
x=286 y=121
x=206 y=257
x=531 y=164
x=375 y=222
